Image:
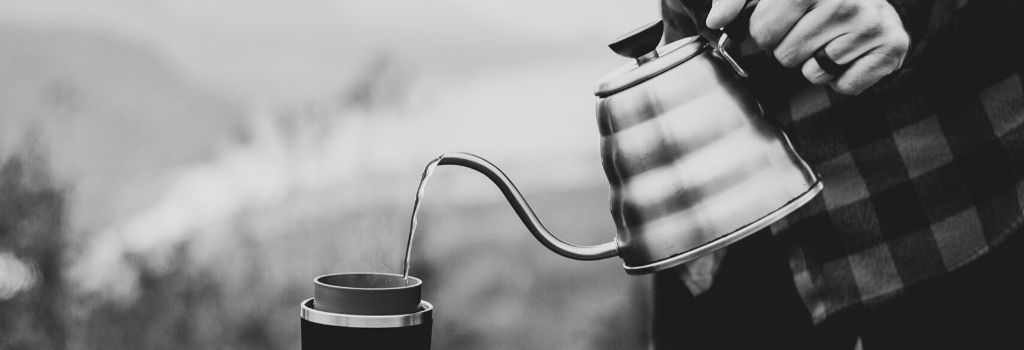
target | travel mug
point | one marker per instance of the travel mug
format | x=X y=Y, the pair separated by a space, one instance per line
x=366 y=311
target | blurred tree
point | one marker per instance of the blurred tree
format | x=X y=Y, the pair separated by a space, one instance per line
x=190 y=306
x=171 y=312
x=32 y=229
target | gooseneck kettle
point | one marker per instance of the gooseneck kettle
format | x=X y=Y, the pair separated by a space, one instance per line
x=693 y=162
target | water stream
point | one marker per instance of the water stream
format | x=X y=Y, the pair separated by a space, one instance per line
x=429 y=170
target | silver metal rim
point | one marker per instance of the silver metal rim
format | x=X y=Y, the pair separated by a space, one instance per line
x=365 y=321
x=730 y=238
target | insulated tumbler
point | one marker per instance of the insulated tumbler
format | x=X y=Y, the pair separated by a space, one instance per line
x=366 y=311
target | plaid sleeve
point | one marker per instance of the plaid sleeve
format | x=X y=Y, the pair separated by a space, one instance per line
x=922 y=177
x=925 y=21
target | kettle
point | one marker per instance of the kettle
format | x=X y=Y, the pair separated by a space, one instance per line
x=693 y=162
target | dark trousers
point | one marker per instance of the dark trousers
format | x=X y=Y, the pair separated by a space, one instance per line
x=753 y=304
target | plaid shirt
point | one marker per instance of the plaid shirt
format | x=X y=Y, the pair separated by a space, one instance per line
x=923 y=172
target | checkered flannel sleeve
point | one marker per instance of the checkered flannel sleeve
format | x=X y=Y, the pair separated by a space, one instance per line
x=923 y=173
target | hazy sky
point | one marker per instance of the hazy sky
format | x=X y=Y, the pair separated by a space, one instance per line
x=284 y=49
x=509 y=80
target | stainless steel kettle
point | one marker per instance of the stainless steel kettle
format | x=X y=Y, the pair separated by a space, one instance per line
x=693 y=162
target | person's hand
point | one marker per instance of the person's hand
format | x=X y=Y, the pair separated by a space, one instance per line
x=867 y=35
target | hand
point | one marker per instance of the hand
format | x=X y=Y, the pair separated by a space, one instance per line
x=867 y=35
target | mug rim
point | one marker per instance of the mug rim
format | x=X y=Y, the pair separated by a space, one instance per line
x=416 y=282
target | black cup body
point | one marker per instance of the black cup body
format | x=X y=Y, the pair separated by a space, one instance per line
x=317 y=336
x=327 y=330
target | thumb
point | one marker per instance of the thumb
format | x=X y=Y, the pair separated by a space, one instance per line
x=723 y=12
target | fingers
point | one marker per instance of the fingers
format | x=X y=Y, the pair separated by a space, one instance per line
x=846 y=48
x=773 y=19
x=865 y=72
x=867 y=35
x=723 y=12
x=850 y=28
x=814 y=74
x=816 y=29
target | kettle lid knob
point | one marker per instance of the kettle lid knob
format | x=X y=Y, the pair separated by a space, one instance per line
x=640 y=43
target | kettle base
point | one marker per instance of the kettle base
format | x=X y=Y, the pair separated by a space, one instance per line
x=730 y=238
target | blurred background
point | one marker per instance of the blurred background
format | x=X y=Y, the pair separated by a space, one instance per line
x=174 y=174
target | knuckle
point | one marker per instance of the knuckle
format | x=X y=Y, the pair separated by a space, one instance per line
x=844 y=10
x=887 y=61
x=870 y=25
x=894 y=63
x=872 y=9
x=808 y=3
x=887 y=66
x=870 y=31
x=900 y=42
x=893 y=51
x=805 y=4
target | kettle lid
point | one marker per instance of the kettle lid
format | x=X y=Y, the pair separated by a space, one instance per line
x=641 y=44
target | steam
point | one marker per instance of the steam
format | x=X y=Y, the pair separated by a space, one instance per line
x=275 y=163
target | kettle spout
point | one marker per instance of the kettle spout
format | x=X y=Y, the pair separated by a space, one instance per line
x=518 y=203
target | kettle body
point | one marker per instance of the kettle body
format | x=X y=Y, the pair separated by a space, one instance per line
x=692 y=161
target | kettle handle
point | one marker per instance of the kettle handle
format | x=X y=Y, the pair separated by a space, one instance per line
x=733 y=33
x=518 y=203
